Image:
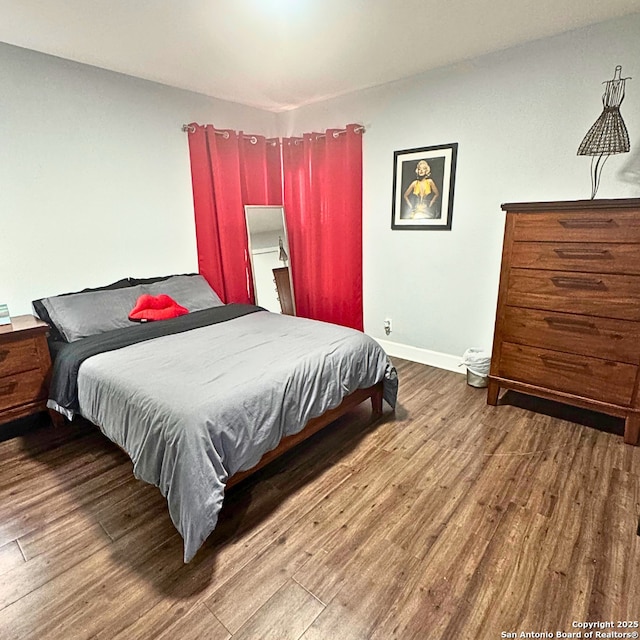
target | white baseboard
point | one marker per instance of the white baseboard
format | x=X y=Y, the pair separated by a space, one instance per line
x=423 y=356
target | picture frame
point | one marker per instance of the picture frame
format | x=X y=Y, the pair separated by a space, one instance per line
x=423 y=186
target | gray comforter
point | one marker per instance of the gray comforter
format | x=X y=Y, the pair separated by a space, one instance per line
x=192 y=409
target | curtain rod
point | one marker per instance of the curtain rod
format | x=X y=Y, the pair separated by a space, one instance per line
x=339 y=132
x=225 y=134
x=335 y=134
x=254 y=140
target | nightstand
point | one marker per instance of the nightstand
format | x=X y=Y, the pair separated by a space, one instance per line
x=24 y=367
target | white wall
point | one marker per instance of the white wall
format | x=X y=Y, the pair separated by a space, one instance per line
x=518 y=117
x=95 y=182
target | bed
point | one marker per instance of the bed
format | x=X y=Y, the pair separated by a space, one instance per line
x=201 y=400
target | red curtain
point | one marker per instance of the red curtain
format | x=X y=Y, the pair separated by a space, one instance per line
x=260 y=170
x=323 y=206
x=321 y=175
x=229 y=170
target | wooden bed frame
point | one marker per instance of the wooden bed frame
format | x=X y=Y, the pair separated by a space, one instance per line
x=313 y=426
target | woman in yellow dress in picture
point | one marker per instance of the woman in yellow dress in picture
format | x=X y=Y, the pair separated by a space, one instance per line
x=422 y=193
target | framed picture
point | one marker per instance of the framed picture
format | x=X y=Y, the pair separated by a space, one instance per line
x=423 y=181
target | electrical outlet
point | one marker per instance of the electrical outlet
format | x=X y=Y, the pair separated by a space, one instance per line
x=387 y=326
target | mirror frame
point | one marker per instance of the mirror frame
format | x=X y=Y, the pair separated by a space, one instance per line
x=252 y=207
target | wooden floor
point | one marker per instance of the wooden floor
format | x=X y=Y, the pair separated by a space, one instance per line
x=451 y=520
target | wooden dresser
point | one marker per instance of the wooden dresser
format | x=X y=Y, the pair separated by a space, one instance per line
x=568 y=318
x=24 y=367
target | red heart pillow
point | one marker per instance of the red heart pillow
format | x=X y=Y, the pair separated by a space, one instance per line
x=160 y=307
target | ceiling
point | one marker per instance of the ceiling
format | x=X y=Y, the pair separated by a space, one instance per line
x=281 y=54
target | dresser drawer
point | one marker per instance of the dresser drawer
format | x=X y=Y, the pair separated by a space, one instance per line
x=571 y=256
x=601 y=226
x=587 y=335
x=18 y=356
x=21 y=388
x=583 y=376
x=606 y=295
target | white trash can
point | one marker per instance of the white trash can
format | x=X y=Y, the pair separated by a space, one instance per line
x=478 y=363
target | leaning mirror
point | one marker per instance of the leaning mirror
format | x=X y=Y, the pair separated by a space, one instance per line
x=269 y=255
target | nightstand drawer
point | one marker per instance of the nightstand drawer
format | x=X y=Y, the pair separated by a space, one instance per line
x=605 y=295
x=604 y=338
x=21 y=388
x=594 y=257
x=579 y=375
x=17 y=356
x=588 y=226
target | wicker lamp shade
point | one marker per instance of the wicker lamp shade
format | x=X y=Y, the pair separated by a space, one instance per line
x=283 y=256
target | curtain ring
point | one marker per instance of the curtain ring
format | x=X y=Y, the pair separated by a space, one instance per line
x=336 y=134
x=253 y=140
x=225 y=135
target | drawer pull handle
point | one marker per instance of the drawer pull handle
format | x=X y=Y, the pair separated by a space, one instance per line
x=584 y=254
x=555 y=363
x=3 y=355
x=566 y=282
x=575 y=325
x=8 y=388
x=587 y=223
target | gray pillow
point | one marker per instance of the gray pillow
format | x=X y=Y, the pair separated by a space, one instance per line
x=80 y=315
x=192 y=292
x=41 y=310
x=86 y=314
